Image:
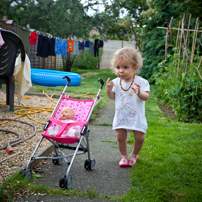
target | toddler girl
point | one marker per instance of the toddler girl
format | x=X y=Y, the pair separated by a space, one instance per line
x=130 y=93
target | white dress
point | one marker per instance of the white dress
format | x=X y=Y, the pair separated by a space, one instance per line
x=129 y=108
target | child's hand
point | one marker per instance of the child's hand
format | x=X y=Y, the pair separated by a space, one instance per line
x=136 y=89
x=109 y=85
x=142 y=95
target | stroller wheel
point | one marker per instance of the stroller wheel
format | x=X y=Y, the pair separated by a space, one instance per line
x=22 y=172
x=62 y=181
x=68 y=182
x=28 y=174
x=89 y=164
x=65 y=182
x=57 y=161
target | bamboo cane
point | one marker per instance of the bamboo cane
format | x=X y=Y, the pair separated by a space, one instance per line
x=200 y=59
x=194 y=41
x=186 y=47
x=187 y=35
x=166 y=42
x=176 y=42
x=191 y=30
x=180 y=46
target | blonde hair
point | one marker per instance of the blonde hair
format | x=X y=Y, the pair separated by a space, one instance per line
x=129 y=54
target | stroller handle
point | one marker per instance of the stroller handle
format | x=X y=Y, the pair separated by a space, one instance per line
x=102 y=82
x=68 y=80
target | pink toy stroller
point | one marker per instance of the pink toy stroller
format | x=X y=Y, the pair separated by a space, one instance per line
x=83 y=110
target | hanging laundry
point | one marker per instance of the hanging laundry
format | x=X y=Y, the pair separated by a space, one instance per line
x=81 y=45
x=33 y=38
x=87 y=44
x=64 y=48
x=58 y=46
x=51 y=50
x=91 y=48
x=96 y=48
x=70 y=46
x=76 y=48
x=42 y=46
x=101 y=44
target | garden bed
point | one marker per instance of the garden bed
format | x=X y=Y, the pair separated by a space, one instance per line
x=168 y=111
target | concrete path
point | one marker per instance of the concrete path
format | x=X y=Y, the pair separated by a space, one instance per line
x=107 y=178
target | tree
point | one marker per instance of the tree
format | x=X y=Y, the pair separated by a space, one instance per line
x=61 y=18
x=4 y=8
x=133 y=21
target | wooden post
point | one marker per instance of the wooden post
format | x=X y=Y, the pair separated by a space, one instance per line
x=176 y=43
x=191 y=30
x=182 y=31
x=167 y=34
x=180 y=45
x=194 y=41
x=186 y=47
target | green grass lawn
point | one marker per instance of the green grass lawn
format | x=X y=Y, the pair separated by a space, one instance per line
x=170 y=163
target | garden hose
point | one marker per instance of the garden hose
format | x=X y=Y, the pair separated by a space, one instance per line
x=23 y=112
x=17 y=141
x=34 y=110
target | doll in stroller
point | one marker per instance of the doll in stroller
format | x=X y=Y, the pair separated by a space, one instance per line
x=67 y=125
x=67 y=116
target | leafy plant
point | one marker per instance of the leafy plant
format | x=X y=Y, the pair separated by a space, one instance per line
x=182 y=93
x=188 y=98
x=68 y=62
x=87 y=60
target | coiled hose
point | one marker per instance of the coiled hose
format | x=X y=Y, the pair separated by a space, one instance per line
x=23 y=112
x=31 y=110
x=18 y=140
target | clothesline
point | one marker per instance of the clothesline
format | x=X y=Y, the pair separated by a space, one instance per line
x=49 y=45
x=68 y=38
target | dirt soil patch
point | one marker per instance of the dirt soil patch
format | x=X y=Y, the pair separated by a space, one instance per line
x=168 y=111
x=10 y=163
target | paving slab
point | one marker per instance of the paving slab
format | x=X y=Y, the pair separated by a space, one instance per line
x=105 y=178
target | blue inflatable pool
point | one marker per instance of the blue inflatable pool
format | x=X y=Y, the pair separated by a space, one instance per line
x=47 y=77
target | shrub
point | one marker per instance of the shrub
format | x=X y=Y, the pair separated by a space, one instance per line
x=182 y=93
x=87 y=60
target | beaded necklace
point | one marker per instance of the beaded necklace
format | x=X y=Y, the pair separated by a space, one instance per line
x=129 y=86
